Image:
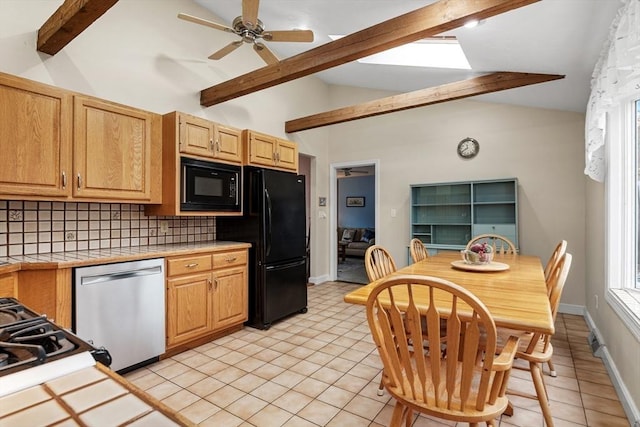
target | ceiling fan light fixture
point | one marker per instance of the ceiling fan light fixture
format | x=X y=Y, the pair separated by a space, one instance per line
x=250 y=29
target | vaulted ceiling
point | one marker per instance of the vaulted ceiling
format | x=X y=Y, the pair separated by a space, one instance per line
x=562 y=37
x=554 y=37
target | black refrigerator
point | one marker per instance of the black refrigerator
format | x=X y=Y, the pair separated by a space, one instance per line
x=274 y=222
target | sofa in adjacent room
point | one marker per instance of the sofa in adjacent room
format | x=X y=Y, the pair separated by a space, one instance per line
x=359 y=239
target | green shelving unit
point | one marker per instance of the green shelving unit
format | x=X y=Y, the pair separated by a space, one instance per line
x=445 y=216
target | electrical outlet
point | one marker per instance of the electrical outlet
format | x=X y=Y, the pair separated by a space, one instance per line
x=394 y=213
x=164 y=227
x=596 y=299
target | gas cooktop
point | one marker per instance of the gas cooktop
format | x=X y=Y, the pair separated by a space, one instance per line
x=28 y=339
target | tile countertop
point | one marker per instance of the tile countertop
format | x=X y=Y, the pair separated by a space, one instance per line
x=91 y=396
x=105 y=256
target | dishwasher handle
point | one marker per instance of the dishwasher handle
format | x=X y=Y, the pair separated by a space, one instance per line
x=101 y=278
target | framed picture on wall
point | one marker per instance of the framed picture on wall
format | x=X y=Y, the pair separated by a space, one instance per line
x=355 y=202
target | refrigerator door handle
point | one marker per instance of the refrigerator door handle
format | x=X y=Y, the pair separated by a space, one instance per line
x=268 y=221
x=287 y=265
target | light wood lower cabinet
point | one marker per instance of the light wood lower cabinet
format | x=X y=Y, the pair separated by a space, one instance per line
x=47 y=292
x=206 y=294
x=8 y=284
x=188 y=308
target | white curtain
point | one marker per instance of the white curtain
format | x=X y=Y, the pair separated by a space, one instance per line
x=616 y=76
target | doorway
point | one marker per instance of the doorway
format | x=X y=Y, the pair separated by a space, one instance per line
x=354 y=217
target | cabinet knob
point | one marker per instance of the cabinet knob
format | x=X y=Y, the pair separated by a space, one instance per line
x=79 y=181
x=193 y=264
x=209 y=283
x=231 y=259
x=64 y=179
x=217 y=146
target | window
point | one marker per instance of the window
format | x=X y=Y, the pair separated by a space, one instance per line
x=623 y=212
x=637 y=180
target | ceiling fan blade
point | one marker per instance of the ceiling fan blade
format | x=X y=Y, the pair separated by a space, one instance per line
x=288 y=36
x=266 y=54
x=226 y=50
x=204 y=22
x=250 y=13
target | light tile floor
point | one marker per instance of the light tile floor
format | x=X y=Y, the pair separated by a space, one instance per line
x=322 y=369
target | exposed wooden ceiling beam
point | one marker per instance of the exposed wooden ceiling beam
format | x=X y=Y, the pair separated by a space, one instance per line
x=428 y=21
x=493 y=82
x=71 y=18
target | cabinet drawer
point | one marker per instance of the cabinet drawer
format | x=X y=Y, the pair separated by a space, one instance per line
x=189 y=264
x=229 y=259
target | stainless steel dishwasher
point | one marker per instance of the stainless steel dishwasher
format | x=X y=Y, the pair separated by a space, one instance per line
x=121 y=307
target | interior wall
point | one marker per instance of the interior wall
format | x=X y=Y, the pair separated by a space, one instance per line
x=622 y=346
x=542 y=148
x=357 y=217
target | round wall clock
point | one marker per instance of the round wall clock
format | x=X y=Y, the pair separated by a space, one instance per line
x=468 y=148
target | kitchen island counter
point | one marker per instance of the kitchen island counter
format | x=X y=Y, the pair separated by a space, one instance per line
x=93 y=395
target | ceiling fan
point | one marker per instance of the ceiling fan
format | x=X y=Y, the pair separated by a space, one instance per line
x=349 y=171
x=251 y=30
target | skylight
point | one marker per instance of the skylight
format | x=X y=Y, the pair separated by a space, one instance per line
x=435 y=52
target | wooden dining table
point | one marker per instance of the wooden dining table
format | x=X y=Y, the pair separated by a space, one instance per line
x=516 y=297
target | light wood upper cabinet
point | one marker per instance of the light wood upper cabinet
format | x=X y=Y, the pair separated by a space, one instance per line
x=203 y=138
x=35 y=139
x=287 y=155
x=228 y=144
x=184 y=135
x=66 y=146
x=114 y=149
x=268 y=151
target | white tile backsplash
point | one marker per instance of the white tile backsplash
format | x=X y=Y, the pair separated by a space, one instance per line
x=45 y=227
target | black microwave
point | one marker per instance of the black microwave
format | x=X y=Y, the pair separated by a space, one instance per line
x=209 y=186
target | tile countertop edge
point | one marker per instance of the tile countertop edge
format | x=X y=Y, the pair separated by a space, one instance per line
x=107 y=256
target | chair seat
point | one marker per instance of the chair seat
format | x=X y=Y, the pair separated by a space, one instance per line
x=538 y=354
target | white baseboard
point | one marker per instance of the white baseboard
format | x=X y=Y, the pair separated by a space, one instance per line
x=630 y=408
x=319 y=279
x=578 y=310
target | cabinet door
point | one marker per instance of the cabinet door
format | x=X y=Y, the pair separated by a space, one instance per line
x=195 y=136
x=227 y=144
x=261 y=149
x=230 y=303
x=287 y=155
x=112 y=151
x=506 y=230
x=35 y=129
x=188 y=307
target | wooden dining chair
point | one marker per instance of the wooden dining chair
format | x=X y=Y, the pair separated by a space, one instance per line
x=456 y=385
x=499 y=244
x=417 y=250
x=378 y=262
x=560 y=250
x=536 y=347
